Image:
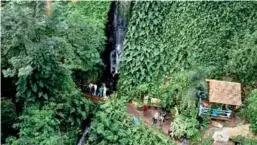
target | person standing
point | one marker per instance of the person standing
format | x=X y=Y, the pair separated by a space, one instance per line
x=169 y=133
x=145 y=109
x=100 y=93
x=90 y=86
x=185 y=141
x=161 y=120
x=104 y=90
x=155 y=118
x=95 y=89
x=134 y=120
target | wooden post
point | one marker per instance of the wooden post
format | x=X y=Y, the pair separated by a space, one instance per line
x=233 y=111
x=48 y=7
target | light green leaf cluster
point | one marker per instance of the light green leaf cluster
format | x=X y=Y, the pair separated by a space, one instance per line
x=250 y=110
x=183 y=125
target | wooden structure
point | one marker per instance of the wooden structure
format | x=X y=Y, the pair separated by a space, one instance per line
x=222 y=92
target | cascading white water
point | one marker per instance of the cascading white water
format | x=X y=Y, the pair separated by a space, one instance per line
x=119 y=31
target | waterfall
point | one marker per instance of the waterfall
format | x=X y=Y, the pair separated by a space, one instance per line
x=119 y=30
x=118 y=18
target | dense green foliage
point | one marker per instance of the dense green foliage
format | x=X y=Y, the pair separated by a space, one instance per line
x=164 y=38
x=244 y=141
x=85 y=33
x=178 y=89
x=169 y=40
x=41 y=53
x=8 y=118
x=183 y=125
x=113 y=125
x=178 y=94
x=169 y=49
x=250 y=110
x=39 y=126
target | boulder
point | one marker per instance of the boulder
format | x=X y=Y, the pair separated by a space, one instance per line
x=221 y=136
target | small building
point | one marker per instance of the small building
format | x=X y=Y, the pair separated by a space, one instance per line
x=223 y=97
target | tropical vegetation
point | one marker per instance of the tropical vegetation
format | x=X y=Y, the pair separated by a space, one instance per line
x=51 y=50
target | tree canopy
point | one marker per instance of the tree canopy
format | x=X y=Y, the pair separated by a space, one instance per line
x=40 y=53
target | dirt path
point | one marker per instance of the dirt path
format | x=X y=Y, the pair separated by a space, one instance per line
x=148 y=117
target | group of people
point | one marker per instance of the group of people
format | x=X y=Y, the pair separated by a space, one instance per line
x=101 y=92
x=156 y=117
x=160 y=118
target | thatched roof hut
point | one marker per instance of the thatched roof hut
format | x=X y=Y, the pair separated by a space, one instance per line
x=224 y=92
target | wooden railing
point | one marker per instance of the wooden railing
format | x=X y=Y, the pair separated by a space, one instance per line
x=215 y=112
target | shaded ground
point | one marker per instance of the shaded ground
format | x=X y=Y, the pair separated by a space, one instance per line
x=94 y=99
x=148 y=117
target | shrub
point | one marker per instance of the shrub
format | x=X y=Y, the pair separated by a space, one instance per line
x=39 y=126
x=71 y=109
x=250 y=110
x=239 y=140
x=8 y=118
x=185 y=126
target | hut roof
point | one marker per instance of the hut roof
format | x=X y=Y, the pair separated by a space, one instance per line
x=224 y=92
